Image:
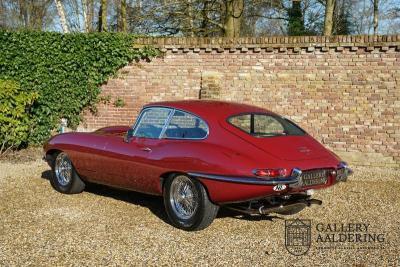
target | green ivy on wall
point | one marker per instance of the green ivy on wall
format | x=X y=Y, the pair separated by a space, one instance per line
x=65 y=70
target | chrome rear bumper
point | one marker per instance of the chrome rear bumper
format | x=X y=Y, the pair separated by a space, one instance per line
x=294 y=180
x=245 y=180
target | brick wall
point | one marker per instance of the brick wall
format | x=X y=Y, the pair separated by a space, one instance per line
x=344 y=90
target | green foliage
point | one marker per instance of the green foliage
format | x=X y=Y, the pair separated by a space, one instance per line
x=296 y=20
x=105 y=99
x=119 y=102
x=14 y=114
x=65 y=70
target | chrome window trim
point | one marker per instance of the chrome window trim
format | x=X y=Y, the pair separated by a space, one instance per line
x=166 y=124
x=167 y=121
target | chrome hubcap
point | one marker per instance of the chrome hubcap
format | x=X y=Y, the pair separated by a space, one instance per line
x=183 y=197
x=63 y=169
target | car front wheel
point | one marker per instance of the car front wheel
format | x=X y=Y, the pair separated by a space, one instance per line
x=187 y=203
x=65 y=179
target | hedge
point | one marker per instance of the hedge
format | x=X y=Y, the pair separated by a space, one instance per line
x=14 y=114
x=64 y=70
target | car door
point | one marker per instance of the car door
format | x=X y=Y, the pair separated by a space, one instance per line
x=171 y=151
x=127 y=163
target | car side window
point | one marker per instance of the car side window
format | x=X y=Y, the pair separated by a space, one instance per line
x=186 y=126
x=151 y=122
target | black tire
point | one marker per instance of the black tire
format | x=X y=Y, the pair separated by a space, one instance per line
x=202 y=212
x=71 y=185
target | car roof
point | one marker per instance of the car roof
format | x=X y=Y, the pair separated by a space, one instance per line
x=210 y=108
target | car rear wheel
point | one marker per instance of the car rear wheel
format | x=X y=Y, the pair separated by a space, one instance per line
x=187 y=203
x=65 y=179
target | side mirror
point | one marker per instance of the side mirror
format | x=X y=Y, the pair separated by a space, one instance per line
x=128 y=136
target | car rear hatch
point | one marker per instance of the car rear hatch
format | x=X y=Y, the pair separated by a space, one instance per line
x=289 y=143
x=290 y=147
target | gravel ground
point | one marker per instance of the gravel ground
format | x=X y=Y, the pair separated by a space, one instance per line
x=104 y=226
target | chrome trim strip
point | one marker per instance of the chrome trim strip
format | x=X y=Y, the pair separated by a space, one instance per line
x=246 y=180
x=171 y=114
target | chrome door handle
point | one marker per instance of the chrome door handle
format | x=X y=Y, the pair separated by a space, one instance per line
x=147 y=149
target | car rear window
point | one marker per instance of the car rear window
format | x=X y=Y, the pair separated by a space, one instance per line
x=265 y=125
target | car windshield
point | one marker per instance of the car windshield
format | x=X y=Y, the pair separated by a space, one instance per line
x=265 y=125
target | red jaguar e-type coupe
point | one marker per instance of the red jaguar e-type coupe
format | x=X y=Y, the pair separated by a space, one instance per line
x=200 y=155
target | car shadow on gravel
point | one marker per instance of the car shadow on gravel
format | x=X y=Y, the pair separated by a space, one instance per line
x=155 y=203
x=226 y=212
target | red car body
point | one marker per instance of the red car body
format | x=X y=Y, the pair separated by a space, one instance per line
x=103 y=156
x=223 y=162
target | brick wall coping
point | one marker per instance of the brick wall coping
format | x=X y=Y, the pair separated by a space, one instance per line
x=367 y=41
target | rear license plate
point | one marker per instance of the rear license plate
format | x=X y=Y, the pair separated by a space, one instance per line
x=314 y=177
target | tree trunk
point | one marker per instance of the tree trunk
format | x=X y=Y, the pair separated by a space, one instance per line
x=23 y=10
x=123 y=23
x=103 y=16
x=328 y=24
x=233 y=17
x=61 y=14
x=37 y=14
x=341 y=20
x=35 y=19
x=84 y=16
x=90 y=15
x=376 y=16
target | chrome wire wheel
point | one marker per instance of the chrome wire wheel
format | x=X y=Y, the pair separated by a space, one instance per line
x=184 y=197
x=63 y=169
